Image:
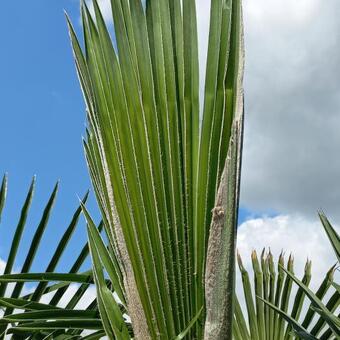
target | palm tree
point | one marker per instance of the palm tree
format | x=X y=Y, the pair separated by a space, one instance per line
x=166 y=177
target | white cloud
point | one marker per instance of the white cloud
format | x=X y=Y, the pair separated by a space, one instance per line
x=292 y=106
x=294 y=235
x=10 y=286
x=280 y=12
x=83 y=303
x=2 y=265
x=88 y=297
x=203 y=21
x=105 y=6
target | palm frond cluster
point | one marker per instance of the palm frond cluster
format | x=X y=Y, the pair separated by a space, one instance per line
x=157 y=171
x=27 y=313
x=286 y=303
x=166 y=178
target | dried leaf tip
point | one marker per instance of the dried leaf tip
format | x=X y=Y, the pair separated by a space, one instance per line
x=239 y=261
x=308 y=267
x=254 y=255
x=290 y=263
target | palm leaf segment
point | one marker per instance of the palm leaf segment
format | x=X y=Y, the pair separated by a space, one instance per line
x=31 y=314
x=269 y=316
x=275 y=310
x=155 y=168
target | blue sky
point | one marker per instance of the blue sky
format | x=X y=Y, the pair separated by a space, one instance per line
x=42 y=117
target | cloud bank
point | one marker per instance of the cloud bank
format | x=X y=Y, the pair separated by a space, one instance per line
x=292 y=234
x=292 y=106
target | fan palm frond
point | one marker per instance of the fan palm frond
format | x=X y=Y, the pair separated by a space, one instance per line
x=12 y=296
x=328 y=323
x=158 y=172
x=273 y=310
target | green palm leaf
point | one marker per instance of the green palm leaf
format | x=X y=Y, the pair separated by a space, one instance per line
x=327 y=326
x=333 y=236
x=111 y=315
x=299 y=330
x=317 y=305
x=276 y=311
x=3 y=192
x=157 y=172
x=10 y=301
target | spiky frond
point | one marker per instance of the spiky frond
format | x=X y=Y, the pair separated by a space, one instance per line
x=326 y=312
x=274 y=310
x=30 y=312
x=156 y=169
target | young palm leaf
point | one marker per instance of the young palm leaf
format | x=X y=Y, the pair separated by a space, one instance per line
x=12 y=300
x=275 y=311
x=318 y=306
x=333 y=236
x=3 y=192
x=157 y=172
x=111 y=315
x=327 y=325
